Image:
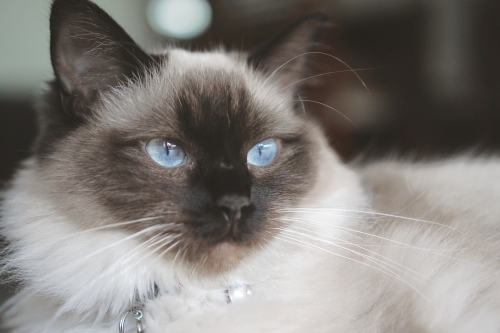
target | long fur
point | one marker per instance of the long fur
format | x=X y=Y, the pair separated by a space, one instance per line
x=94 y=227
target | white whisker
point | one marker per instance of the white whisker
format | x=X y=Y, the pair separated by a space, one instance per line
x=361 y=254
x=328 y=106
x=75 y=298
x=328 y=73
x=322 y=53
x=316 y=211
x=383 y=270
x=432 y=251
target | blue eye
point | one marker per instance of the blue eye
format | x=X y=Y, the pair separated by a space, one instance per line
x=263 y=153
x=165 y=153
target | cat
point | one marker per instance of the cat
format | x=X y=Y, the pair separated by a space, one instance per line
x=188 y=192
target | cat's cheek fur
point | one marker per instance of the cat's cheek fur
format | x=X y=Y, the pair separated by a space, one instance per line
x=101 y=272
x=54 y=256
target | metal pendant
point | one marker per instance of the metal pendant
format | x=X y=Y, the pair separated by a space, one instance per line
x=137 y=314
x=237 y=293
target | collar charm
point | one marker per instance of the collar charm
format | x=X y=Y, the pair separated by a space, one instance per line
x=237 y=293
x=233 y=294
x=137 y=314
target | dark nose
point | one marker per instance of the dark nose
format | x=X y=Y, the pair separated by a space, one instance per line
x=231 y=206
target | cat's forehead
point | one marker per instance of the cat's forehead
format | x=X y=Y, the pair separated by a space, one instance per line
x=224 y=71
x=204 y=91
x=183 y=61
x=202 y=75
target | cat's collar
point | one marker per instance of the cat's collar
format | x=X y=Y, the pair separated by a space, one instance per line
x=232 y=293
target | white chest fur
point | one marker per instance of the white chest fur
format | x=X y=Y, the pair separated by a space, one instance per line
x=308 y=282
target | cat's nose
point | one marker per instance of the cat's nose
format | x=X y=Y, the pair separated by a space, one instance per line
x=232 y=205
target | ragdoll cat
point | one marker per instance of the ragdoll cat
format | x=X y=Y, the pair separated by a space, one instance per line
x=189 y=189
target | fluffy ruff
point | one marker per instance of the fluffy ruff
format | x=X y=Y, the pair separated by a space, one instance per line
x=340 y=265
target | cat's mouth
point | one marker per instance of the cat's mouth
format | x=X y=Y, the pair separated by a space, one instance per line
x=217 y=244
x=227 y=226
x=211 y=259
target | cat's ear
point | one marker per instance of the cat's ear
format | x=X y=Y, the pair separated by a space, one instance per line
x=285 y=56
x=90 y=53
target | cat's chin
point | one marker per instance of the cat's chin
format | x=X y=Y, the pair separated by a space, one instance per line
x=219 y=258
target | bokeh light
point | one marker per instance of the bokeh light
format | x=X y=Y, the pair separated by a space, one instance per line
x=181 y=19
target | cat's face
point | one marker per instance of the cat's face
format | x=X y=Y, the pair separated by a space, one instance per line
x=202 y=146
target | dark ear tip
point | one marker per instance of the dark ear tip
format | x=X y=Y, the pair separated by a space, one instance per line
x=313 y=24
x=311 y=21
x=70 y=3
x=63 y=5
x=61 y=9
x=320 y=20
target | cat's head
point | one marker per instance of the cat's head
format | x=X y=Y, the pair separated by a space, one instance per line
x=202 y=148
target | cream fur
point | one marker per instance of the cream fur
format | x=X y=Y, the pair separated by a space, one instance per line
x=436 y=278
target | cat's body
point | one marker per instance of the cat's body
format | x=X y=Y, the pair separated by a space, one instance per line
x=96 y=226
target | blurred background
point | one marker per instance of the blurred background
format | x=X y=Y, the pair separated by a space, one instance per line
x=431 y=68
